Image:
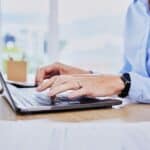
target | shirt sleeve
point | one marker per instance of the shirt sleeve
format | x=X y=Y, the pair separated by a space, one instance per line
x=126 y=66
x=140 y=85
x=140 y=88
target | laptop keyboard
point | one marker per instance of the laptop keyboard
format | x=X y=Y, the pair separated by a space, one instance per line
x=29 y=97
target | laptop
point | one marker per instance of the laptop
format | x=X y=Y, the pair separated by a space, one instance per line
x=28 y=100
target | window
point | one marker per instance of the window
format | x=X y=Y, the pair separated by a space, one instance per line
x=91 y=33
x=25 y=27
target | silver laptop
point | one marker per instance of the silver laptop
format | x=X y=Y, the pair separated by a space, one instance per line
x=27 y=100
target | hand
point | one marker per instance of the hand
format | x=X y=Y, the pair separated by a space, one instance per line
x=56 y=69
x=84 y=85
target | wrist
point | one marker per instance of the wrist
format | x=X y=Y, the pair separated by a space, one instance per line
x=119 y=85
x=114 y=83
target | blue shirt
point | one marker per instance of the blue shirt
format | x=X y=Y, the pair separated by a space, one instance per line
x=137 y=50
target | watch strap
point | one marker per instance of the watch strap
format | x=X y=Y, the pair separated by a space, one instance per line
x=127 y=82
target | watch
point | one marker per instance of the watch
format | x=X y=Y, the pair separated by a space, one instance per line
x=127 y=82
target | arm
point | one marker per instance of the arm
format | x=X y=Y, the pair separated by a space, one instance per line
x=57 y=69
x=140 y=85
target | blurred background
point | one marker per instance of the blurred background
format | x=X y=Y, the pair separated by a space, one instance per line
x=84 y=33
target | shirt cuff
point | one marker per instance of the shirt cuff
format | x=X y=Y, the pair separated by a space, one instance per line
x=135 y=92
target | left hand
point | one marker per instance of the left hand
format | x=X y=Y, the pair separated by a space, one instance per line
x=83 y=85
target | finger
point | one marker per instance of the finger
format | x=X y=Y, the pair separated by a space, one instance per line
x=77 y=93
x=46 y=84
x=82 y=75
x=62 y=80
x=40 y=75
x=46 y=72
x=62 y=88
x=51 y=70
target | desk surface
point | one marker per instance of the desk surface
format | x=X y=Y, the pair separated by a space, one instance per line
x=128 y=113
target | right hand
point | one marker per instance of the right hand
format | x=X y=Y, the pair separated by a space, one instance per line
x=56 y=69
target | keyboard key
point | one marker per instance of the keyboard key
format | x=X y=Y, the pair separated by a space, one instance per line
x=27 y=97
x=43 y=99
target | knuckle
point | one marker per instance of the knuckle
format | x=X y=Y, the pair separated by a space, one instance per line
x=89 y=92
x=62 y=76
x=55 y=77
x=84 y=92
x=75 y=84
x=57 y=64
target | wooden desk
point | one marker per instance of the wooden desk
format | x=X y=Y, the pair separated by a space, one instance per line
x=129 y=113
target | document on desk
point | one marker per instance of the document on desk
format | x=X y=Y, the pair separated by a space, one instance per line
x=46 y=135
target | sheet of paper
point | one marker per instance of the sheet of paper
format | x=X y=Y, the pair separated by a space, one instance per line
x=46 y=135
